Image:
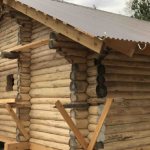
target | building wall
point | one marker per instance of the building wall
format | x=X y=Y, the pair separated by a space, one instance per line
x=15 y=29
x=50 y=81
x=9 y=30
x=127 y=79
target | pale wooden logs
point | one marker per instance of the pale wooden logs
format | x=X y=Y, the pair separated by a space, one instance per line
x=50 y=80
x=24 y=71
x=51 y=144
x=126 y=78
x=7 y=125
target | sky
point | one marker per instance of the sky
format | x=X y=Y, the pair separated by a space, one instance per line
x=115 y=6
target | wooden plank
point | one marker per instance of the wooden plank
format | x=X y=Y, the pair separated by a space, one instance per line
x=70 y=123
x=83 y=38
x=5 y=101
x=100 y=123
x=125 y=47
x=6 y=139
x=17 y=146
x=34 y=146
x=20 y=48
x=19 y=124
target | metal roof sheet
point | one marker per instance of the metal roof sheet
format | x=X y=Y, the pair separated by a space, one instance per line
x=94 y=22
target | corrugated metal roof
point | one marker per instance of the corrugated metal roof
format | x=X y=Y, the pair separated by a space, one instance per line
x=94 y=22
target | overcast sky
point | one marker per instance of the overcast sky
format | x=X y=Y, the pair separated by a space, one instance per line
x=116 y=6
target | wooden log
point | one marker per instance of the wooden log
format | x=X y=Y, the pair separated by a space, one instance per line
x=51 y=84
x=126 y=144
x=51 y=130
x=78 y=76
x=59 y=37
x=78 y=86
x=84 y=132
x=49 y=64
x=54 y=44
x=74 y=52
x=51 y=77
x=49 y=137
x=50 y=144
x=76 y=60
x=79 y=67
x=79 y=114
x=95 y=110
x=46 y=58
x=36 y=114
x=78 y=97
x=50 y=92
x=49 y=100
x=51 y=123
x=62 y=68
x=140 y=126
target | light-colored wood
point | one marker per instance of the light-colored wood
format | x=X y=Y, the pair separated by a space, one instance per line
x=100 y=123
x=20 y=48
x=85 y=39
x=17 y=146
x=34 y=146
x=77 y=133
x=5 y=101
x=6 y=139
x=19 y=124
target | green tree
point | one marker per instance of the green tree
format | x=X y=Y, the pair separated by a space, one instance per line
x=141 y=9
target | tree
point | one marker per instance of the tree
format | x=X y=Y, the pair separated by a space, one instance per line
x=141 y=9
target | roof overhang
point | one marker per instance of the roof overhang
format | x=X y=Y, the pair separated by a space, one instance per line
x=94 y=43
x=83 y=38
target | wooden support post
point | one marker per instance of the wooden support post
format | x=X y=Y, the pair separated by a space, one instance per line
x=77 y=133
x=19 y=124
x=100 y=123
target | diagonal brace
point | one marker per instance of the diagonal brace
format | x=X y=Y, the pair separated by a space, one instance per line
x=70 y=123
x=19 y=124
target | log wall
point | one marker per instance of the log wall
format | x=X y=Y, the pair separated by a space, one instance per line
x=127 y=80
x=24 y=62
x=50 y=81
x=9 y=30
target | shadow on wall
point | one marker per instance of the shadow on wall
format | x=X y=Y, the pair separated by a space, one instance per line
x=1 y=145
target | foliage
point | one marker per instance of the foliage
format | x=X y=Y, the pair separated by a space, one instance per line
x=141 y=9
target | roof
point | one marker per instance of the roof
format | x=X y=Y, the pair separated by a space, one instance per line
x=94 y=22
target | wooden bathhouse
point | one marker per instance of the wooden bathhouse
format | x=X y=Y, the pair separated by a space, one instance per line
x=72 y=78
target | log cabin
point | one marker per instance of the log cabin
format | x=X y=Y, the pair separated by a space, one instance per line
x=72 y=78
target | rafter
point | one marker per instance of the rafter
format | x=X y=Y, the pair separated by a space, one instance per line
x=83 y=38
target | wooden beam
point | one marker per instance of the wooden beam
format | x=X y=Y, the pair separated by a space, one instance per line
x=34 y=146
x=17 y=146
x=19 y=124
x=20 y=48
x=100 y=123
x=126 y=47
x=5 y=101
x=70 y=123
x=83 y=38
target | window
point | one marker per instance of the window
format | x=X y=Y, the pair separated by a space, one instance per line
x=10 y=82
